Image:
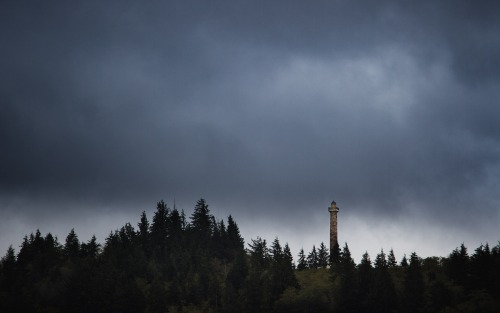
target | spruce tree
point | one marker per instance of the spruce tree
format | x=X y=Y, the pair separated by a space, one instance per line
x=91 y=248
x=289 y=267
x=144 y=235
x=302 y=264
x=202 y=221
x=259 y=254
x=414 y=286
x=364 y=283
x=235 y=241
x=335 y=255
x=72 y=245
x=159 y=230
x=391 y=259
x=256 y=293
x=312 y=258
x=323 y=256
x=458 y=266
x=384 y=296
x=404 y=261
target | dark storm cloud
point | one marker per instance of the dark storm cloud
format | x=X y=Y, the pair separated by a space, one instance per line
x=263 y=105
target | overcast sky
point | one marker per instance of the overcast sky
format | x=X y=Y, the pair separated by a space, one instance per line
x=267 y=109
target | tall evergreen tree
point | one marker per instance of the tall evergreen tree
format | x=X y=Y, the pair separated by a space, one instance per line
x=391 y=259
x=384 y=296
x=404 y=261
x=323 y=256
x=159 y=230
x=259 y=254
x=91 y=248
x=302 y=263
x=347 y=290
x=256 y=294
x=335 y=255
x=458 y=265
x=72 y=245
x=482 y=269
x=176 y=229
x=312 y=258
x=414 y=286
x=8 y=275
x=364 y=283
x=235 y=241
x=202 y=221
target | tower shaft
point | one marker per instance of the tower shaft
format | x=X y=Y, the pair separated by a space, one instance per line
x=333 y=209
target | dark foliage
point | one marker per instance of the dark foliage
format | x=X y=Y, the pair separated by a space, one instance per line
x=171 y=265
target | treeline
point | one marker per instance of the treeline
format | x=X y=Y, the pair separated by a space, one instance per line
x=168 y=264
x=172 y=264
x=457 y=283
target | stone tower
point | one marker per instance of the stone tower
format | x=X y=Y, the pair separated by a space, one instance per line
x=333 y=209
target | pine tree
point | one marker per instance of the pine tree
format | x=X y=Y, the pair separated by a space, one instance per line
x=482 y=269
x=235 y=241
x=391 y=259
x=256 y=293
x=458 y=265
x=364 y=283
x=219 y=239
x=404 y=261
x=202 y=221
x=384 y=297
x=259 y=254
x=347 y=290
x=8 y=275
x=289 y=267
x=277 y=279
x=91 y=248
x=414 y=286
x=335 y=255
x=312 y=258
x=323 y=256
x=72 y=245
x=302 y=264
x=176 y=226
x=159 y=230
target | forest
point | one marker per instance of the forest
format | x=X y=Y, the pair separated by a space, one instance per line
x=202 y=264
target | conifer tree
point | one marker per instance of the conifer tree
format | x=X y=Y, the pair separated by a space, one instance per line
x=143 y=226
x=364 y=283
x=323 y=256
x=312 y=258
x=91 y=248
x=176 y=226
x=202 y=221
x=404 y=261
x=335 y=255
x=277 y=279
x=391 y=259
x=159 y=230
x=414 y=286
x=8 y=270
x=235 y=241
x=482 y=268
x=259 y=254
x=72 y=245
x=256 y=293
x=347 y=290
x=384 y=296
x=302 y=264
x=458 y=265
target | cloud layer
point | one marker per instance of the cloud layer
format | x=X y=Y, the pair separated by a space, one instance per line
x=271 y=108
